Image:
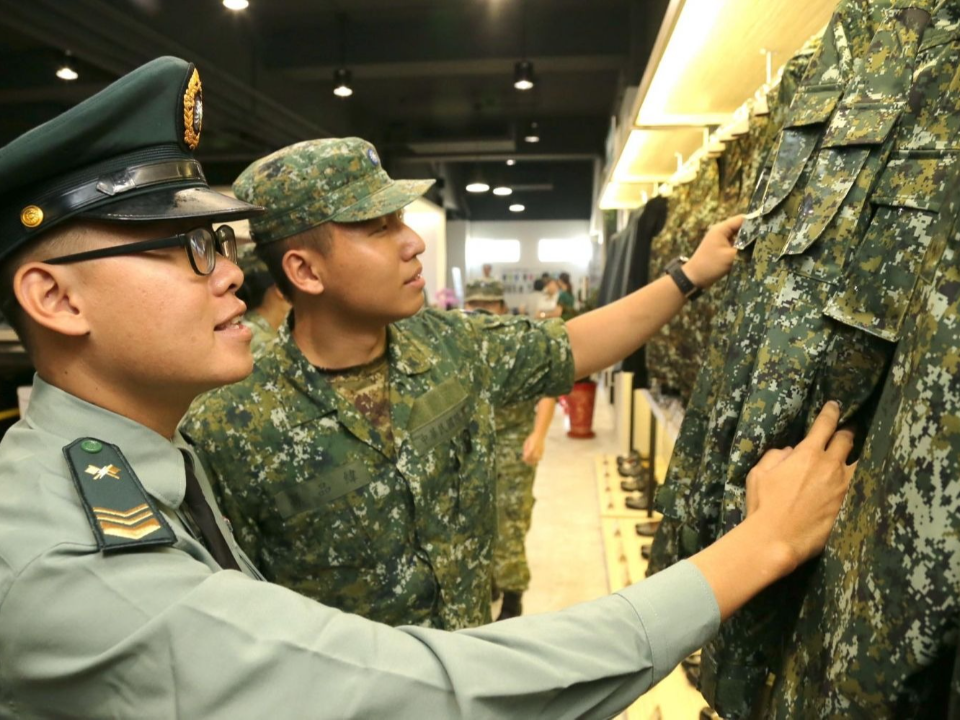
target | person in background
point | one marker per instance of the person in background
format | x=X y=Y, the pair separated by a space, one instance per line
x=520 y=445
x=266 y=307
x=487 y=271
x=557 y=302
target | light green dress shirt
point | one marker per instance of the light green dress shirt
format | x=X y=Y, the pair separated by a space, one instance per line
x=163 y=632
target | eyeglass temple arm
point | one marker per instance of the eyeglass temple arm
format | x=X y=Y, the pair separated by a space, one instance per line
x=131 y=249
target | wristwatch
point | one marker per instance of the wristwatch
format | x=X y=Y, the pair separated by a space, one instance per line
x=675 y=270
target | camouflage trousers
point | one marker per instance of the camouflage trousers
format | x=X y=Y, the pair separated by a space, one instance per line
x=514 y=513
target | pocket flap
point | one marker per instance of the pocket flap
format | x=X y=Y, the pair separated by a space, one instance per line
x=861 y=125
x=813 y=105
x=916 y=182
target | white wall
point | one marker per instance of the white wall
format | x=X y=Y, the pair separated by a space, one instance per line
x=529 y=233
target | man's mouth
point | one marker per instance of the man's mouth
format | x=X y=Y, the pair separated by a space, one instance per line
x=230 y=322
x=415 y=277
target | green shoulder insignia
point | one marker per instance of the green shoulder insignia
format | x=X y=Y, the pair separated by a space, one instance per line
x=120 y=511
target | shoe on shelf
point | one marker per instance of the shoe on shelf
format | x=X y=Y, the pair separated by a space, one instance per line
x=647 y=528
x=645 y=551
x=512 y=605
x=637 y=502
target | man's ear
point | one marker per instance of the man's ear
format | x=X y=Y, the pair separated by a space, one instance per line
x=305 y=269
x=50 y=296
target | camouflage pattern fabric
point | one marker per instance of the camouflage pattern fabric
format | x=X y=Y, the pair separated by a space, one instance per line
x=311 y=182
x=263 y=332
x=674 y=354
x=674 y=498
x=315 y=497
x=514 y=497
x=878 y=628
x=367 y=388
x=818 y=244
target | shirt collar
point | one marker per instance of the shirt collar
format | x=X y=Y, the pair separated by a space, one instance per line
x=156 y=461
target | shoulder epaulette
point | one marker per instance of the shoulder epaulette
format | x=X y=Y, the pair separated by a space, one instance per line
x=120 y=511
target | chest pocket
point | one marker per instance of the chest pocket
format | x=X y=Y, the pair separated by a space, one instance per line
x=321 y=517
x=439 y=415
x=441 y=423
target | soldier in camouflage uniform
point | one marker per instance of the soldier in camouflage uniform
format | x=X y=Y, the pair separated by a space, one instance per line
x=267 y=308
x=521 y=430
x=829 y=289
x=357 y=463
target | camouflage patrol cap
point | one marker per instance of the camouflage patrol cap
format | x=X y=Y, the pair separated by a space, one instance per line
x=123 y=155
x=483 y=291
x=315 y=181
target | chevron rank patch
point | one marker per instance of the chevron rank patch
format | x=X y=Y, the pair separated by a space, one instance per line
x=120 y=511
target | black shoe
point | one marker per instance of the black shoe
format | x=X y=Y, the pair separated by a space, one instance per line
x=512 y=605
x=691 y=668
x=635 y=485
x=636 y=502
x=631 y=459
x=647 y=528
x=632 y=471
x=645 y=551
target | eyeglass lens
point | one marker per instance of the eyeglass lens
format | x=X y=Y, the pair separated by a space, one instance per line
x=204 y=246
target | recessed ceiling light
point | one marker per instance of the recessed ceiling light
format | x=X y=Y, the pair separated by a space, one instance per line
x=517 y=208
x=478 y=187
x=502 y=191
x=511 y=162
x=236 y=4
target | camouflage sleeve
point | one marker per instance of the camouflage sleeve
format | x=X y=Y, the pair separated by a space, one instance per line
x=241 y=523
x=229 y=474
x=527 y=360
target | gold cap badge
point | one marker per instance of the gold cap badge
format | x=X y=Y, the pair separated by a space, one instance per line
x=31 y=216
x=193 y=111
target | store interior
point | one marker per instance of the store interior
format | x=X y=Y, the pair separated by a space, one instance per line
x=600 y=141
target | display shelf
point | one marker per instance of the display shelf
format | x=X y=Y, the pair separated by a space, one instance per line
x=610 y=496
x=711 y=57
x=674 y=697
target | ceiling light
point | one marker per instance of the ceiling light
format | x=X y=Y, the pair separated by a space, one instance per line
x=511 y=162
x=523 y=75
x=517 y=208
x=533 y=133
x=236 y=4
x=502 y=191
x=67 y=73
x=341 y=83
x=476 y=183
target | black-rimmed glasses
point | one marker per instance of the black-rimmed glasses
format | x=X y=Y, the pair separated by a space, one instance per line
x=201 y=245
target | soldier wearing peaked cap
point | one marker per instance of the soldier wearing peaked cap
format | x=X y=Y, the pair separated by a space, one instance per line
x=122 y=591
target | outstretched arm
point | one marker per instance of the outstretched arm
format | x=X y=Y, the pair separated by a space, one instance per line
x=607 y=335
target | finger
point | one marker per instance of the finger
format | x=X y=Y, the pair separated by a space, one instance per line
x=824 y=426
x=731 y=226
x=840 y=446
x=849 y=470
x=752 y=500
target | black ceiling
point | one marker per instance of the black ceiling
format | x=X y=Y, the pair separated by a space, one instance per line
x=433 y=81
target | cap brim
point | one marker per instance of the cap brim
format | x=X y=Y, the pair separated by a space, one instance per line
x=389 y=199
x=175 y=204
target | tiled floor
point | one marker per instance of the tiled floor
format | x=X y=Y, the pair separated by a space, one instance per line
x=565 y=547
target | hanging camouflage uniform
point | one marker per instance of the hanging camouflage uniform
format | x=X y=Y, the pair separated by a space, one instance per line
x=878 y=630
x=673 y=497
x=674 y=354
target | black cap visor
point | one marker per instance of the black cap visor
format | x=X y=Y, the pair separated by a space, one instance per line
x=173 y=203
